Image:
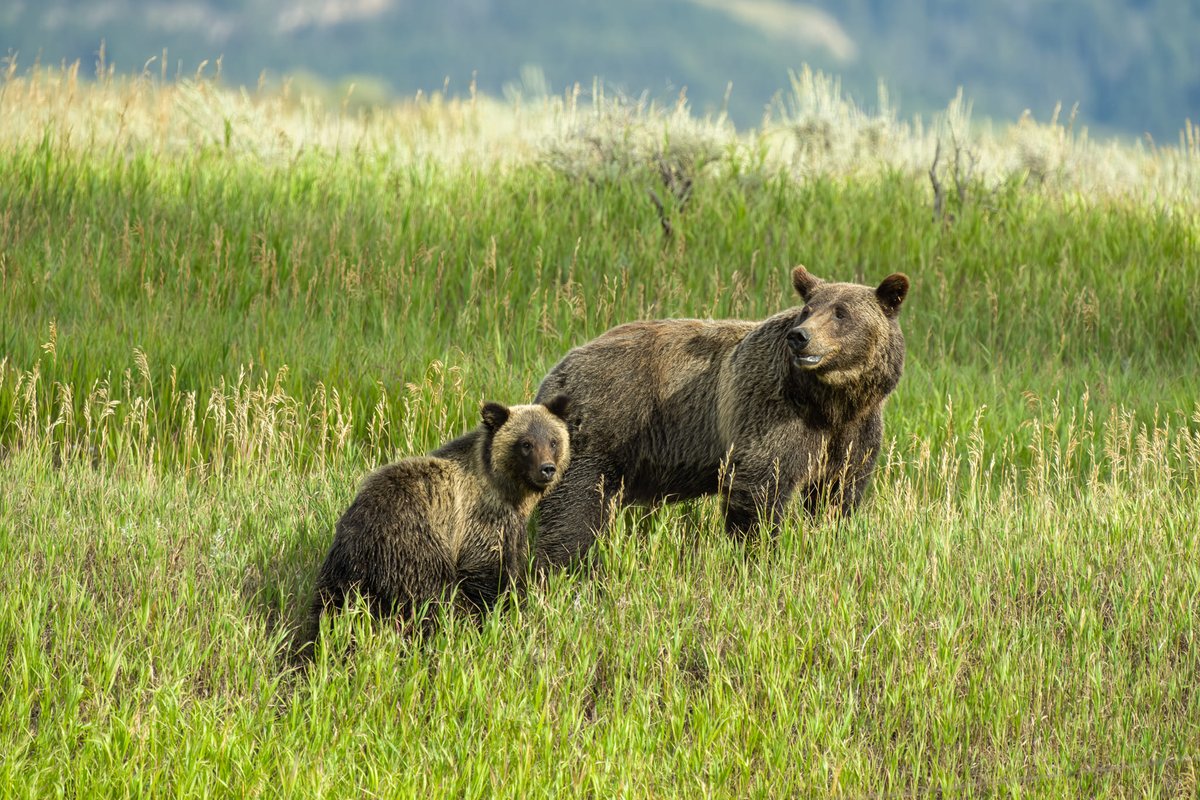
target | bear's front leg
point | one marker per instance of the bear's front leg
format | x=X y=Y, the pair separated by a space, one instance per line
x=841 y=490
x=751 y=503
x=838 y=496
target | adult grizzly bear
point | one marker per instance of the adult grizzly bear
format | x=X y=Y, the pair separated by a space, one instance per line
x=456 y=518
x=674 y=409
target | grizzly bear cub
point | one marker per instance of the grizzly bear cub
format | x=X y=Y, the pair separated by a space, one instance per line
x=755 y=411
x=453 y=521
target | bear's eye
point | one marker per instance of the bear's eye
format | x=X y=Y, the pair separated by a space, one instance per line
x=526 y=447
x=554 y=444
x=839 y=312
x=804 y=312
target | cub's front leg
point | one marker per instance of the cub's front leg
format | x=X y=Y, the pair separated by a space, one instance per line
x=515 y=565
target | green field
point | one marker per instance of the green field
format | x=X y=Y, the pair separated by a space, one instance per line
x=218 y=311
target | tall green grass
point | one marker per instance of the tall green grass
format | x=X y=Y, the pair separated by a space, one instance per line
x=217 y=312
x=365 y=282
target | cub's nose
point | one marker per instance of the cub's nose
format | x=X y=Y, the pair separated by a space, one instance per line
x=798 y=338
x=548 y=471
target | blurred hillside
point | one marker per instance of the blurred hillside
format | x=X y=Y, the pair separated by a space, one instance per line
x=1131 y=65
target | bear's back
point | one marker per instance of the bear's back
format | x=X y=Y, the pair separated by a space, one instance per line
x=418 y=492
x=624 y=377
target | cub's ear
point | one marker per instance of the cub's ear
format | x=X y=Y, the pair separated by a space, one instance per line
x=891 y=293
x=804 y=281
x=558 y=406
x=494 y=415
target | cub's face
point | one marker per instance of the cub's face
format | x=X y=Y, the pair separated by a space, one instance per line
x=842 y=327
x=530 y=443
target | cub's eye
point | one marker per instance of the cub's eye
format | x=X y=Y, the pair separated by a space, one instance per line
x=839 y=312
x=554 y=444
x=804 y=312
x=526 y=447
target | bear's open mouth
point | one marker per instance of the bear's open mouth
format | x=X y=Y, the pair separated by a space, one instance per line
x=807 y=361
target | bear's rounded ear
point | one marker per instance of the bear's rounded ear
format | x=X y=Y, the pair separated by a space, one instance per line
x=804 y=281
x=891 y=293
x=558 y=406
x=494 y=415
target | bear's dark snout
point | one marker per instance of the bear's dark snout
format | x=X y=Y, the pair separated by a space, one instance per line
x=798 y=338
x=547 y=471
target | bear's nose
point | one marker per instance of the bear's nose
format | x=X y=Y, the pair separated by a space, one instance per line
x=798 y=338
x=548 y=471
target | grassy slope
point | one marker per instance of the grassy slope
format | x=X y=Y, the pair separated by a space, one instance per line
x=1013 y=611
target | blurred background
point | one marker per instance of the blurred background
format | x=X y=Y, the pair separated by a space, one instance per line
x=1132 y=67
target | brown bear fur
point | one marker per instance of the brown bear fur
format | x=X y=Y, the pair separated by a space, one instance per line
x=758 y=411
x=453 y=520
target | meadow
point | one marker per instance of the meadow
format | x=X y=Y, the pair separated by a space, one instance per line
x=219 y=309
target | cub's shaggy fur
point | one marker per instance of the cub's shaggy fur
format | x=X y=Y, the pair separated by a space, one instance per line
x=758 y=411
x=456 y=519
